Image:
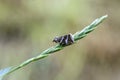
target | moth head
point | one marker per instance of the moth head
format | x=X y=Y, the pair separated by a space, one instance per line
x=56 y=39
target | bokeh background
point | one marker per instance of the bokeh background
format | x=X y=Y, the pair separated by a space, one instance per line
x=27 y=27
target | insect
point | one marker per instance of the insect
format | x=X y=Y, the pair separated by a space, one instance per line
x=64 y=40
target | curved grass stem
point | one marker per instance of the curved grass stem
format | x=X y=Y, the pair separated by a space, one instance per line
x=47 y=52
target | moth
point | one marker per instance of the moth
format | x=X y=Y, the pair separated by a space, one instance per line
x=64 y=40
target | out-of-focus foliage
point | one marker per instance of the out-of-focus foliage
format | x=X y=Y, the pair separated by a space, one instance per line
x=27 y=27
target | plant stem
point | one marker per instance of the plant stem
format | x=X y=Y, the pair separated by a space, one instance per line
x=76 y=36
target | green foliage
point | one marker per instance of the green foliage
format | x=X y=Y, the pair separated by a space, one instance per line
x=76 y=36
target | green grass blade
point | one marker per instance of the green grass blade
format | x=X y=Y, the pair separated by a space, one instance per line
x=78 y=35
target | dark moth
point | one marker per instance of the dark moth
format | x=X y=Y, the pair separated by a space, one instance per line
x=64 y=40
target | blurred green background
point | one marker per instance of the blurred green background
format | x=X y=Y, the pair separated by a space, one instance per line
x=27 y=27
